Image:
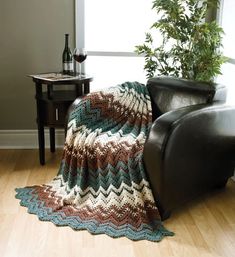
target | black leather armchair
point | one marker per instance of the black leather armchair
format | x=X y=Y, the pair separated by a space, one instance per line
x=191 y=146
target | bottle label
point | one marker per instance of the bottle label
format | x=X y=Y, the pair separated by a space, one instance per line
x=68 y=66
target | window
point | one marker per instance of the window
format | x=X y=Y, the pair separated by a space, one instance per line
x=227 y=19
x=109 y=30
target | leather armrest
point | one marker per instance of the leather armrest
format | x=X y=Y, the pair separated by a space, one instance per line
x=166 y=123
x=162 y=127
x=184 y=144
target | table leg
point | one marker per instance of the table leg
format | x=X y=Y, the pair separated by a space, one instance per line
x=86 y=87
x=79 y=89
x=52 y=139
x=41 y=137
x=41 y=142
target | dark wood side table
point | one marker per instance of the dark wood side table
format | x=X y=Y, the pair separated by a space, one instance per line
x=52 y=105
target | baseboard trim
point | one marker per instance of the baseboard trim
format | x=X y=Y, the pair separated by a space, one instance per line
x=27 y=139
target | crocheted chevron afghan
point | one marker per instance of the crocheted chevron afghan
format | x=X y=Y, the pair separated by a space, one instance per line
x=101 y=185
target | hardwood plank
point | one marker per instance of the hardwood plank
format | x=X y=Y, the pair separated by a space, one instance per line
x=205 y=227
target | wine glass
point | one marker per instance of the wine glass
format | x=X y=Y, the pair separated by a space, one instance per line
x=79 y=55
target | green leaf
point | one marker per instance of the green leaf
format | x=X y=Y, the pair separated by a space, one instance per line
x=190 y=47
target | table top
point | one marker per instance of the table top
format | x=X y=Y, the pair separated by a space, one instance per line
x=59 y=78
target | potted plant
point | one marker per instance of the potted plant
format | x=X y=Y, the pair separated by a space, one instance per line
x=190 y=45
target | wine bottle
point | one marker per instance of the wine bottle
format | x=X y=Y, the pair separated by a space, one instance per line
x=67 y=57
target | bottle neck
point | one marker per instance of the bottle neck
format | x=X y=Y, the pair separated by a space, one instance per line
x=66 y=41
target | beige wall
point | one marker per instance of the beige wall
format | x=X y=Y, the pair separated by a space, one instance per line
x=31 y=41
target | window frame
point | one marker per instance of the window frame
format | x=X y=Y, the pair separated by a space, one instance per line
x=80 y=34
x=219 y=20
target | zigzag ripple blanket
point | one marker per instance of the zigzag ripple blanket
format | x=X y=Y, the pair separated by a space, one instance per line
x=101 y=185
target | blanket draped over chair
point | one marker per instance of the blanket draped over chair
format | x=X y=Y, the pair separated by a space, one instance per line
x=101 y=185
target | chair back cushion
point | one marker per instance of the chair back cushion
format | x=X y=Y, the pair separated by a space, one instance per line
x=169 y=93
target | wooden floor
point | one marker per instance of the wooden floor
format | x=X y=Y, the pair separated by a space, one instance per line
x=205 y=227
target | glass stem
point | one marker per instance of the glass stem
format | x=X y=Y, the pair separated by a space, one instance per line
x=80 y=70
